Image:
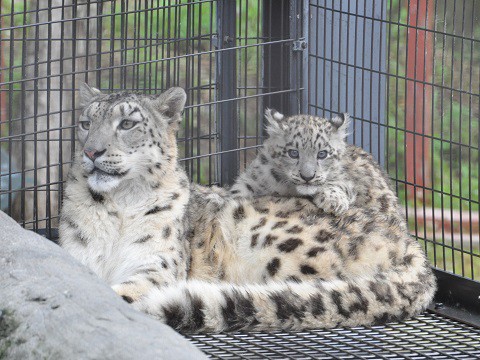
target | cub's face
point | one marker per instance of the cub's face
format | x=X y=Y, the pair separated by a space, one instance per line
x=305 y=149
x=125 y=135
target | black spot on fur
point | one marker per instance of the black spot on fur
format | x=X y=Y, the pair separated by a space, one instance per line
x=269 y=239
x=273 y=266
x=362 y=302
x=157 y=209
x=353 y=246
x=143 y=239
x=407 y=260
x=318 y=305
x=81 y=238
x=262 y=210
x=263 y=159
x=315 y=251
x=239 y=213
x=287 y=306
x=254 y=241
x=197 y=319
x=282 y=214
x=293 y=278
x=153 y=281
x=97 y=197
x=276 y=175
x=308 y=270
x=238 y=311
x=290 y=245
x=70 y=222
x=382 y=292
x=175 y=196
x=249 y=188
x=295 y=230
x=173 y=316
x=337 y=300
x=167 y=230
x=279 y=224
x=147 y=271
x=234 y=192
x=261 y=223
x=384 y=319
x=384 y=203
x=128 y=299
x=323 y=236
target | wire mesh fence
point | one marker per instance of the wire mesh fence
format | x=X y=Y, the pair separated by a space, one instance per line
x=408 y=72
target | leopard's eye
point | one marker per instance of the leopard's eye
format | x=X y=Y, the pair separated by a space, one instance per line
x=322 y=154
x=127 y=124
x=293 y=153
x=85 y=125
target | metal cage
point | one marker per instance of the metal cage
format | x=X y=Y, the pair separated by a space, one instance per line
x=406 y=70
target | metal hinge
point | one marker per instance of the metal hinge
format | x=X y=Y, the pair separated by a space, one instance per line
x=299 y=45
x=226 y=41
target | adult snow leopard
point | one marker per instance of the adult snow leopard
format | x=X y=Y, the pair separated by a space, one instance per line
x=307 y=156
x=200 y=260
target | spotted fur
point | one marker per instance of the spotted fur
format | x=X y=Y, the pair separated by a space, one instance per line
x=347 y=176
x=201 y=260
x=260 y=271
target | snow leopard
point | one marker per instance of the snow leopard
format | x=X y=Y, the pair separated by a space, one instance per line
x=201 y=260
x=123 y=212
x=307 y=156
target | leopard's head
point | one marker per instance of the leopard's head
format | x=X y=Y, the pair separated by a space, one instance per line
x=124 y=135
x=305 y=149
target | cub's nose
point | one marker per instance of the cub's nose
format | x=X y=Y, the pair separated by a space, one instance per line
x=307 y=178
x=92 y=154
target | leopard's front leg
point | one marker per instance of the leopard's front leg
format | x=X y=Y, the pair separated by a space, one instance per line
x=156 y=270
x=135 y=286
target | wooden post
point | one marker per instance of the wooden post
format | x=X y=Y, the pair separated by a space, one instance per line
x=418 y=106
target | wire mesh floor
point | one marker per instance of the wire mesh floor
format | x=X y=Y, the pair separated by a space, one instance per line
x=425 y=337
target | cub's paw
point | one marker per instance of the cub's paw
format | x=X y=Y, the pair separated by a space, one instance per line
x=332 y=201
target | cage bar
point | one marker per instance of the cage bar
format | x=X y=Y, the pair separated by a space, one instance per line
x=226 y=75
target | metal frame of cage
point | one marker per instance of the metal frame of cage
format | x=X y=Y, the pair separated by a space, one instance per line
x=309 y=55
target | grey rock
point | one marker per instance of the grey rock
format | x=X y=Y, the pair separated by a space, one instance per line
x=52 y=307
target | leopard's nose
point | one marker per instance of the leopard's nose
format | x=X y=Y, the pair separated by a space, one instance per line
x=93 y=154
x=307 y=178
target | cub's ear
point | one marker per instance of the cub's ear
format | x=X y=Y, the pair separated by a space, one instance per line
x=275 y=124
x=87 y=94
x=341 y=123
x=171 y=104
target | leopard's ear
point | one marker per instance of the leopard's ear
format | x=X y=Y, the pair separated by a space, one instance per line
x=275 y=123
x=341 y=123
x=171 y=103
x=87 y=94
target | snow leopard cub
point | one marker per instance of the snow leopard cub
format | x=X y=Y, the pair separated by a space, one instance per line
x=307 y=156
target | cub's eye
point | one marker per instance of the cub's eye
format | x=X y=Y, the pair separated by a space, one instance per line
x=85 y=125
x=322 y=154
x=293 y=153
x=127 y=124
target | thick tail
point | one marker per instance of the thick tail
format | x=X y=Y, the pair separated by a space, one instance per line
x=197 y=306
